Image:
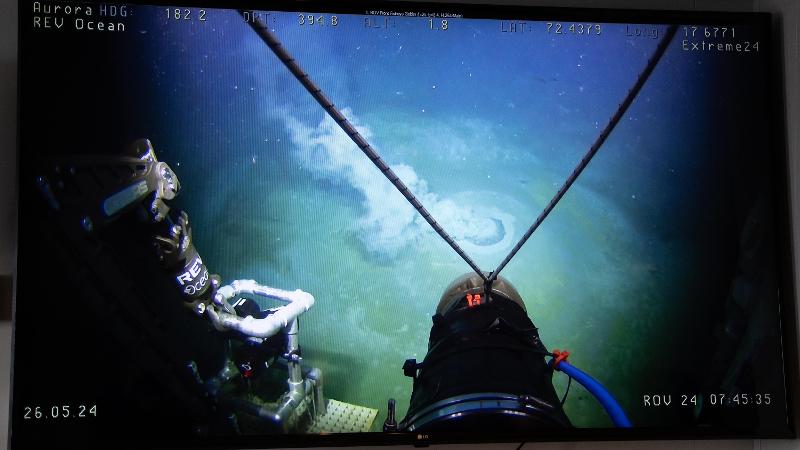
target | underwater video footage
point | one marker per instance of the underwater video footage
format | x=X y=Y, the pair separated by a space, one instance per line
x=419 y=219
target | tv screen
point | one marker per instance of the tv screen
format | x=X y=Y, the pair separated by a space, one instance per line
x=300 y=224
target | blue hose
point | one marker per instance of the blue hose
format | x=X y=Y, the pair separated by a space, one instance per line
x=602 y=395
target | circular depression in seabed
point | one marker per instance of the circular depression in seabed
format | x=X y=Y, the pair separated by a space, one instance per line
x=492 y=230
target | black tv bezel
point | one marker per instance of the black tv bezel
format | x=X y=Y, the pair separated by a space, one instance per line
x=776 y=142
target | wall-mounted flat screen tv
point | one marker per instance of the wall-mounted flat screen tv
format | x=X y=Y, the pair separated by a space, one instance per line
x=342 y=223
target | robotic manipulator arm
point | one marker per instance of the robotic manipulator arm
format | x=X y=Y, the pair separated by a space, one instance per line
x=90 y=192
x=96 y=190
x=177 y=253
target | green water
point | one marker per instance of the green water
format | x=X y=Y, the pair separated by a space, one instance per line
x=587 y=282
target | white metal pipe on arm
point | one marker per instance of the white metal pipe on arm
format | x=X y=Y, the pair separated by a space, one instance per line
x=297 y=302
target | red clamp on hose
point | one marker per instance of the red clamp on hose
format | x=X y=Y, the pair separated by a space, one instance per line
x=559 y=356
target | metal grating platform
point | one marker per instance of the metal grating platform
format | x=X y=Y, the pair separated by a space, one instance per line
x=342 y=417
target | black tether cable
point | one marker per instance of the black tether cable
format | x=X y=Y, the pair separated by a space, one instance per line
x=651 y=64
x=276 y=47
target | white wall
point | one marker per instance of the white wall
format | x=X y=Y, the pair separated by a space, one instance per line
x=8 y=131
x=790 y=23
x=789 y=11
